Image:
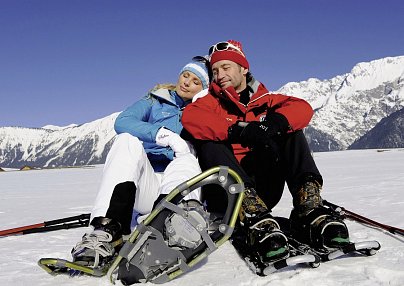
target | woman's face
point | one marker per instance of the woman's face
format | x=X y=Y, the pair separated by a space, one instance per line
x=188 y=85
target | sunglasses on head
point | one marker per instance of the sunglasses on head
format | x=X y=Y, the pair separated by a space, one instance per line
x=224 y=46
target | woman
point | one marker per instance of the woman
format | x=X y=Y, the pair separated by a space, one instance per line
x=147 y=160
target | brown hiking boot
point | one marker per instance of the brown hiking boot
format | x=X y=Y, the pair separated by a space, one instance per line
x=314 y=224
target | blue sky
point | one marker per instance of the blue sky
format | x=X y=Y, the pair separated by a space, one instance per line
x=75 y=61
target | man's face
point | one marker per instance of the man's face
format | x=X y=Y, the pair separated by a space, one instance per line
x=227 y=73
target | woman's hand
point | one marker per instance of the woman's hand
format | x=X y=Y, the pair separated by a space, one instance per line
x=167 y=138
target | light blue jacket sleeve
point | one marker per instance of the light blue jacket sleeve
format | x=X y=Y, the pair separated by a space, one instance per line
x=134 y=120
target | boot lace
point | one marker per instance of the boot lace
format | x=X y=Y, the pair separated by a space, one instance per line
x=99 y=241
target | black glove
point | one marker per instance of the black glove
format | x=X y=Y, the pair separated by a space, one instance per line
x=234 y=131
x=257 y=133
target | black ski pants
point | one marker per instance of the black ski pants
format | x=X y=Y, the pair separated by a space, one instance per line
x=266 y=169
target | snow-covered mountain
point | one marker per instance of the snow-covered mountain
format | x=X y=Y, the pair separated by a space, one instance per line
x=346 y=108
x=349 y=105
x=51 y=146
x=388 y=133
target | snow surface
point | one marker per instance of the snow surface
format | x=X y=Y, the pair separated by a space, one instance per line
x=368 y=182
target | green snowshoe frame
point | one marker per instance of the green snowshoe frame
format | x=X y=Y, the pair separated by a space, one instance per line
x=135 y=263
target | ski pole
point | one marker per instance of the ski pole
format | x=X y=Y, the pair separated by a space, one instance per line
x=63 y=223
x=53 y=227
x=354 y=216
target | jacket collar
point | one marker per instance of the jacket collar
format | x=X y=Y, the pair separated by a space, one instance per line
x=164 y=94
x=256 y=90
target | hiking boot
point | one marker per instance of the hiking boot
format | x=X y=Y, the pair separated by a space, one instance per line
x=265 y=238
x=259 y=232
x=314 y=224
x=98 y=248
x=308 y=197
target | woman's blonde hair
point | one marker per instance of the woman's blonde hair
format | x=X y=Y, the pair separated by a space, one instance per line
x=168 y=86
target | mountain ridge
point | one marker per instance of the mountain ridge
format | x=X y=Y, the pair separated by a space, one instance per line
x=70 y=146
x=349 y=105
x=346 y=108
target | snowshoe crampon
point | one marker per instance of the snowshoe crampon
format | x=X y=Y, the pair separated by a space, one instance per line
x=173 y=239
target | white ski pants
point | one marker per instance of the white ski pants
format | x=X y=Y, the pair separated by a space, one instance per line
x=127 y=161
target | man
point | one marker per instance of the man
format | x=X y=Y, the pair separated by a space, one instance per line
x=259 y=135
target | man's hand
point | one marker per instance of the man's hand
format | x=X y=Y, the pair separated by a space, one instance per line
x=257 y=133
x=234 y=131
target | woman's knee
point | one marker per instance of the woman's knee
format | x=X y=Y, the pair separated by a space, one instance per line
x=127 y=140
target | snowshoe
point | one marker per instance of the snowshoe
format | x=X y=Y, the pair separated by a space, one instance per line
x=281 y=252
x=93 y=254
x=322 y=232
x=313 y=255
x=325 y=254
x=175 y=237
x=320 y=227
x=259 y=240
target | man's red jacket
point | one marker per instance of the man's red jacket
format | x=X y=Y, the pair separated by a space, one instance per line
x=209 y=117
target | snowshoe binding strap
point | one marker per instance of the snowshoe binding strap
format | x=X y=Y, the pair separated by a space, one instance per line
x=320 y=228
